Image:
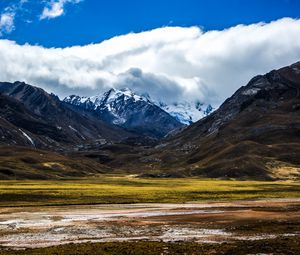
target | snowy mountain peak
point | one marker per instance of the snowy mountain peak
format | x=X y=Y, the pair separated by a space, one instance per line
x=109 y=97
x=127 y=109
x=126 y=94
x=113 y=100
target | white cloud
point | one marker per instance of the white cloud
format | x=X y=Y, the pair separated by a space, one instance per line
x=7 y=22
x=55 y=8
x=7 y=17
x=169 y=63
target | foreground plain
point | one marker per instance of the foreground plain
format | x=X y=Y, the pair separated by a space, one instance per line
x=270 y=226
x=55 y=216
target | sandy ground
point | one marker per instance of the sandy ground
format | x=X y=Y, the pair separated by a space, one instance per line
x=32 y=227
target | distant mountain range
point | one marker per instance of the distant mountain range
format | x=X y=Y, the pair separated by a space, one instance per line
x=118 y=106
x=138 y=113
x=29 y=116
x=124 y=108
x=255 y=134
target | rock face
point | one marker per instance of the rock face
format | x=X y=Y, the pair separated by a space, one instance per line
x=30 y=116
x=124 y=108
x=254 y=134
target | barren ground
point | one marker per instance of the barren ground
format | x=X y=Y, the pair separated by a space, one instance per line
x=207 y=222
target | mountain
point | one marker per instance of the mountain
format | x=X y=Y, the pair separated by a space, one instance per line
x=111 y=106
x=126 y=109
x=29 y=116
x=255 y=134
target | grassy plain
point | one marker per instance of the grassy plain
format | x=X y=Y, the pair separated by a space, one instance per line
x=127 y=189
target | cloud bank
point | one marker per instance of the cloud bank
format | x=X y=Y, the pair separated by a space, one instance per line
x=169 y=63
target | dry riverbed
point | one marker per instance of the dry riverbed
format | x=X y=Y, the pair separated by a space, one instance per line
x=209 y=223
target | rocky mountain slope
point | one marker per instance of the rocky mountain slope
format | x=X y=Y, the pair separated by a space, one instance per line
x=254 y=134
x=126 y=109
x=29 y=116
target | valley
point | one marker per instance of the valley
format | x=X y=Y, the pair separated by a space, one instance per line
x=253 y=135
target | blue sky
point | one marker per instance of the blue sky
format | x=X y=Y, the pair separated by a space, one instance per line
x=91 y=21
x=181 y=50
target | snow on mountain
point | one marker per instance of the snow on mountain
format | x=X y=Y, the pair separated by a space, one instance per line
x=112 y=101
x=187 y=113
x=133 y=112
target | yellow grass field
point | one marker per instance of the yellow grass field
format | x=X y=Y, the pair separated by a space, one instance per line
x=128 y=189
